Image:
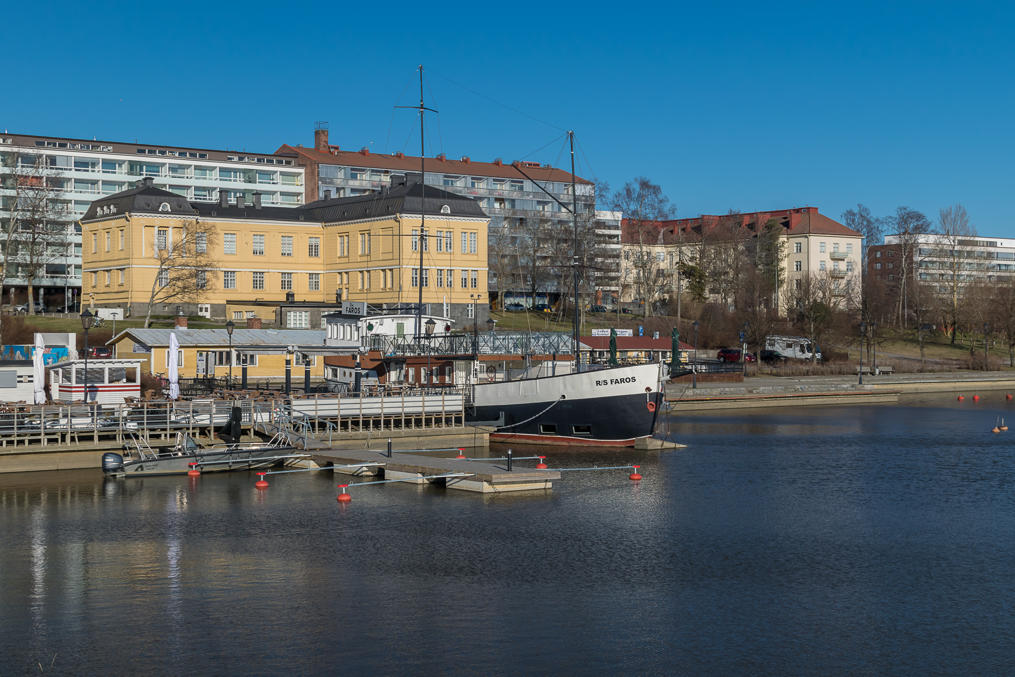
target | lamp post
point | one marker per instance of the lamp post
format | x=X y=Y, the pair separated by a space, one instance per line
x=475 y=327
x=743 y=344
x=230 y=326
x=874 y=347
x=694 y=367
x=986 y=330
x=863 y=331
x=429 y=326
x=86 y=323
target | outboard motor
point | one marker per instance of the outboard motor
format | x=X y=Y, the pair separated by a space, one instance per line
x=112 y=463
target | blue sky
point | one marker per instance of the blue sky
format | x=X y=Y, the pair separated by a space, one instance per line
x=735 y=106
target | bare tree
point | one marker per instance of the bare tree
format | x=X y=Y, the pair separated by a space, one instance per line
x=1004 y=308
x=812 y=305
x=955 y=227
x=862 y=221
x=33 y=235
x=722 y=256
x=183 y=264
x=908 y=225
x=644 y=206
x=503 y=261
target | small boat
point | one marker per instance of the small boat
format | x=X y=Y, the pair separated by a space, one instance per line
x=140 y=460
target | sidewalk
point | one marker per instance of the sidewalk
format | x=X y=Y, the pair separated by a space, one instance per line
x=758 y=391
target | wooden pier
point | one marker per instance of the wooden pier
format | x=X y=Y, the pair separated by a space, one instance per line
x=486 y=477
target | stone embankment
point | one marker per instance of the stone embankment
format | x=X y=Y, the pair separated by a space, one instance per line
x=774 y=391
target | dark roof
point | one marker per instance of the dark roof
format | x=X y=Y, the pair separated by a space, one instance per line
x=144 y=197
x=438 y=165
x=403 y=199
x=632 y=343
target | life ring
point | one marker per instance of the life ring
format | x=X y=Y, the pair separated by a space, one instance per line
x=651 y=405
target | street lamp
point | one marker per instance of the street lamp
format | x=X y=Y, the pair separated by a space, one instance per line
x=230 y=326
x=86 y=323
x=743 y=343
x=863 y=331
x=986 y=330
x=694 y=367
x=874 y=347
x=429 y=327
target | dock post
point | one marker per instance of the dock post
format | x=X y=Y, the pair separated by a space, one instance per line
x=509 y=460
x=389 y=447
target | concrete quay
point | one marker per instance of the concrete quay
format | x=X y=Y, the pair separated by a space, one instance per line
x=797 y=391
x=485 y=477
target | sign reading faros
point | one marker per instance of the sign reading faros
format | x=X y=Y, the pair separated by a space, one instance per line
x=606 y=332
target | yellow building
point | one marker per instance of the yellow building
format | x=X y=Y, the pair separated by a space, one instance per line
x=206 y=352
x=147 y=246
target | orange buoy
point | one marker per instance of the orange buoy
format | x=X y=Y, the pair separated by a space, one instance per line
x=1008 y=396
x=976 y=398
x=261 y=483
x=461 y=453
x=343 y=497
x=542 y=463
x=995 y=429
x=635 y=475
x=193 y=472
x=961 y=398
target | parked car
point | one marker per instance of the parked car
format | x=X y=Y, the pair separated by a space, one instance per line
x=597 y=309
x=514 y=307
x=770 y=356
x=626 y=311
x=542 y=308
x=100 y=352
x=23 y=308
x=733 y=355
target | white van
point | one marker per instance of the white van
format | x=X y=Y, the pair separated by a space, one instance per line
x=791 y=348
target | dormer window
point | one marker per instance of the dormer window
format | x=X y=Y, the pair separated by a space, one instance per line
x=445 y=209
x=164 y=207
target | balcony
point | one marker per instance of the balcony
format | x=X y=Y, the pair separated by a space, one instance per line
x=838 y=256
x=838 y=274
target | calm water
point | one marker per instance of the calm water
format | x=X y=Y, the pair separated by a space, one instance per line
x=828 y=541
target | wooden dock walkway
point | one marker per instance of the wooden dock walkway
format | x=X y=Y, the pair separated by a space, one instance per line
x=478 y=476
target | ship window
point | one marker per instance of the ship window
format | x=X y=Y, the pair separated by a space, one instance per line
x=548 y=428
x=582 y=430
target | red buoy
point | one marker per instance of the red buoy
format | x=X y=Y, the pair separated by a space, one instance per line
x=261 y=483
x=635 y=475
x=461 y=453
x=961 y=398
x=976 y=398
x=343 y=497
x=1008 y=396
x=193 y=472
x=542 y=463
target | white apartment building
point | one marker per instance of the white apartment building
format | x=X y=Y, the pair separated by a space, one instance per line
x=79 y=171
x=936 y=258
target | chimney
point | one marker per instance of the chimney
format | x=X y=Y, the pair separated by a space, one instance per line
x=181 y=321
x=442 y=157
x=397 y=180
x=290 y=297
x=327 y=193
x=146 y=182
x=498 y=162
x=364 y=151
x=240 y=202
x=223 y=197
x=321 y=138
x=257 y=199
x=253 y=323
x=465 y=159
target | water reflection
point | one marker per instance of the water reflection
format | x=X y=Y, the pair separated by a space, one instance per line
x=824 y=541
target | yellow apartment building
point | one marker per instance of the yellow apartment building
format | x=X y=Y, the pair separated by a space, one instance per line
x=224 y=260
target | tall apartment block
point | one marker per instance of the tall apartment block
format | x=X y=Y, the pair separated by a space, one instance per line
x=507 y=193
x=76 y=172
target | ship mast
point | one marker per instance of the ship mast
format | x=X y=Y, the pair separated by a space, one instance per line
x=422 y=206
x=574 y=256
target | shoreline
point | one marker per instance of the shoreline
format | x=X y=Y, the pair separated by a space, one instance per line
x=810 y=391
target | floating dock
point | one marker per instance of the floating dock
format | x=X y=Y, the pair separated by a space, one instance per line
x=480 y=476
